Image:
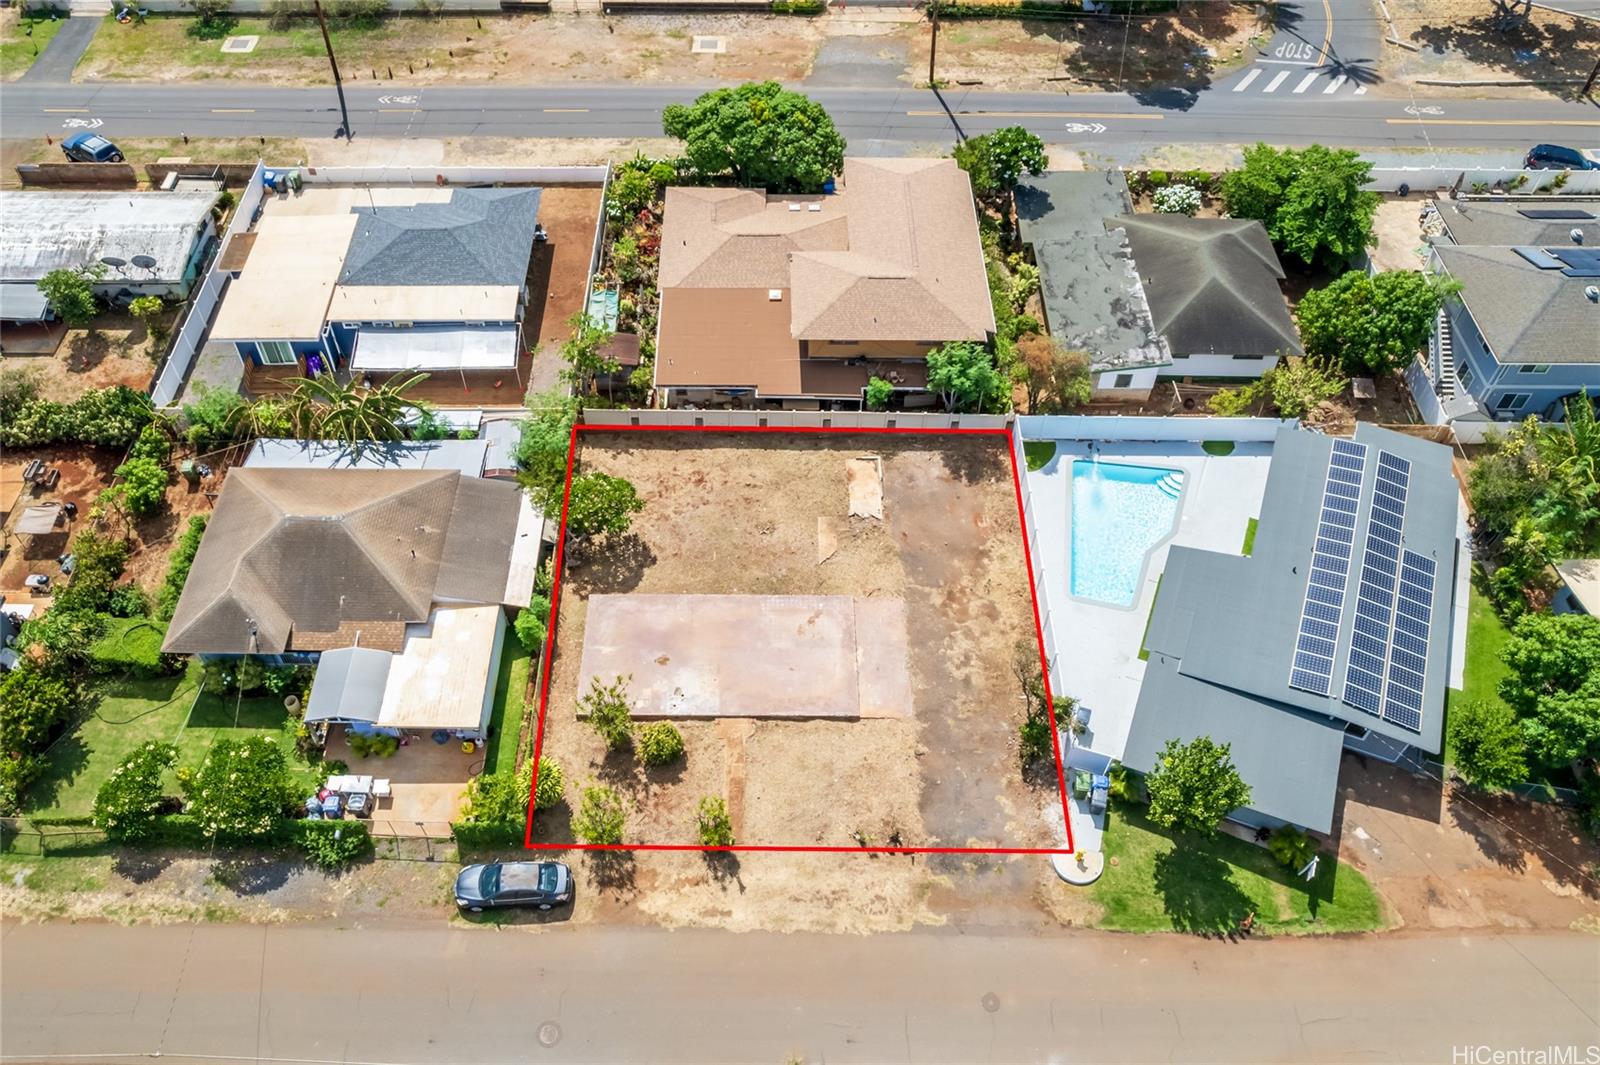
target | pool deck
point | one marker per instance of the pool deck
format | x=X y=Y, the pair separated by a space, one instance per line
x=1096 y=646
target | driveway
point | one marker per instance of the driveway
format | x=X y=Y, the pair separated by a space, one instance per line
x=61 y=55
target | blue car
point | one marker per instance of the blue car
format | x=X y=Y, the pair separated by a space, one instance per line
x=1556 y=157
x=541 y=884
x=90 y=148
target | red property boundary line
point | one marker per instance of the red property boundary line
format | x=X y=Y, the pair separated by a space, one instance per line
x=555 y=606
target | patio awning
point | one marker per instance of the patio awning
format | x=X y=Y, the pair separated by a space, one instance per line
x=23 y=303
x=436 y=348
x=349 y=685
x=40 y=520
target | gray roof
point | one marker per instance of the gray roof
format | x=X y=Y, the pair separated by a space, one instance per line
x=1526 y=314
x=502 y=437
x=1229 y=623
x=480 y=237
x=1093 y=298
x=1477 y=222
x=349 y=685
x=1212 y=284
x=21 y=301
x=304 y=559
x=1290 y=759
x=52 y=230
x=464 y=456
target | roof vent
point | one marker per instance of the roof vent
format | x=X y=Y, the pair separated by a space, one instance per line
x=775 y=294
x=817 y=207
x=1576 y=235
x=794 y=207
x=1593 y=292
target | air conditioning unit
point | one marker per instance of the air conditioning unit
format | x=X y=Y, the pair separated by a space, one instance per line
x=814 y=208
x=794 y=207
x=775 y=294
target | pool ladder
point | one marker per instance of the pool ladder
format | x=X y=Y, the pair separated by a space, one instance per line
x=1171 y=484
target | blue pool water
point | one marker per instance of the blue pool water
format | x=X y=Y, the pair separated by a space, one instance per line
x=1118 y=514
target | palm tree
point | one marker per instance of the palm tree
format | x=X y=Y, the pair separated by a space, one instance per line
x=267 y=416
x=321 y=407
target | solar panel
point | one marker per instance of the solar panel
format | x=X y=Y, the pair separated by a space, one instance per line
x=1323 y=607
x=1380 y=576
x=1408 y=655
x=1540 y=212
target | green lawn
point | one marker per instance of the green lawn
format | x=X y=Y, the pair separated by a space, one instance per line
x=1250 y=536
x=22 y=40
x=1144 y=654
x=130 y=712
x=1166 y=882
x=1039 y=453
x=1486 y=637
x=505 y=721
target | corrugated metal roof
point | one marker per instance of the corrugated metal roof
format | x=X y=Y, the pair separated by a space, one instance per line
x=54 y=230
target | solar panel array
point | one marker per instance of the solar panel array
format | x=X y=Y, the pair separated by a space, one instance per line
x=1320 y=615
x=1375 y=598
x=1408 y=654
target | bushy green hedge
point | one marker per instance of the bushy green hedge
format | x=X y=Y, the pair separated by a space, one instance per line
x=178 y=567
x=112 y=417
x=131 y=646
x=798 y=7
x=472 y=836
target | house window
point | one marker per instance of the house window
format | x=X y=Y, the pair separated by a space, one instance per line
x=1464 y=374
x=276 y=353
x=1512 y=401
x=1123 y=380
x=1533 y=368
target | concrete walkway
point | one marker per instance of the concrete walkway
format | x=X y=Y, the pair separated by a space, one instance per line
x=404 y=992
x=56 y=63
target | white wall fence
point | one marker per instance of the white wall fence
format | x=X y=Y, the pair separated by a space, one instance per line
x=1131 y=428
x=1429 y=178
x=792 y=419
x=262 y=7
x=1036 y=557
x=455 y=175
x=191 y=335
x=1422 y=393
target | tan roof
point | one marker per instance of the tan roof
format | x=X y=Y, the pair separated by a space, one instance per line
x=893 y=256
x=302 y=558
x=444 y=676
x=283 y=293
x=424 y=303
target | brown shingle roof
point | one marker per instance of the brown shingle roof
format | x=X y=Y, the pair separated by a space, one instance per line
x=893 y=256
x=293 y=553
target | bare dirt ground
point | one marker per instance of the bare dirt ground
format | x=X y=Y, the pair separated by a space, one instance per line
x=1166 y=54
x=1459 y=41
x=739 y=516
x=1399 y=233
x=119 y=350
x=1445 y=856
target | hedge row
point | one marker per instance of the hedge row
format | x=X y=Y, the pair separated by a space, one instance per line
x=313 y=839
x=475 y=836
x=799 y=7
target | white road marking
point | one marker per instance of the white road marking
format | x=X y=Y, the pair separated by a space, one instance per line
x=1305 y=83
x=1287 y=62
x=1361 y=90
x=1340 y=80
x=1272 y=86
x=1255 y=72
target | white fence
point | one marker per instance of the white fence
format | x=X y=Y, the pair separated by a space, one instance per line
x=1422 y=393
x=455 y=175
x=792 y=419
x=261 y=7
x=1036 y=556
x=191 y=335
x=1427 y=179
x=1115 y=427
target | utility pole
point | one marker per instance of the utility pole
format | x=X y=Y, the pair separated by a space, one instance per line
x=933 y=48
x=338 y=86
x=1593 y=74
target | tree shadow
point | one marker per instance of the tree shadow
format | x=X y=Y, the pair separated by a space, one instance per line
x=616 y=564
x=85 y=351
x=141 y=867
x=613 y=871
x=1508 y=830
x=251 y=874
x=1153 y=59
x=1197 y=893
x=68 y=758
x=1542 y=46
x=724 y=869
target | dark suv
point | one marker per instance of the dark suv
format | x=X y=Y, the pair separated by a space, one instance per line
x=1555 y=157
x=90 y=148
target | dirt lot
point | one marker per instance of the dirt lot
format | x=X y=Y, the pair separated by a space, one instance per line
x=1399 y=233
x=119 y=350
x=1445 y=856
x=740 y=516
x=1459 y=41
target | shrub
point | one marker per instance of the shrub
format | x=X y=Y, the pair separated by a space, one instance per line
x=127 y=805
x=282 y=680
x=532 y=623
x=660 y=743
x=153 y=443
x=131 y=647
x=98 y=562
x=373 y=746
x=1178 y=199
x=1292 y=848
x=143 y=485
x=127 y=601
x=213 y=418
x=110 y=417
x=239 y=793
x=33 y=705
x=601 y=816
x=148 y=309
x=64 y=635
x=713 y=823
x=213 y=19
x=332 y=844
x=606 y=706
x=552 y=787
x=878 y=393
x=178 y=567
x=249 y=674
x=70 y=292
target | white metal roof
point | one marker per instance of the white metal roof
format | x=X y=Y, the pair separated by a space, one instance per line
x=444 y=677
x=436 y=348
x=45 y=231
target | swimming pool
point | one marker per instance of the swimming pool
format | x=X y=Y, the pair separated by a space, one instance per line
x=1118 y=514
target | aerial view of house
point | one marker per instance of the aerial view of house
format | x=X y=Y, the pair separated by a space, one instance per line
x=794 y=302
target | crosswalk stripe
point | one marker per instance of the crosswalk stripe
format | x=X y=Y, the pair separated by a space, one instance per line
x=1361 y=90
x=1305 y=83
x=1340 y=80
x=1255 y=72
x=1272 y=86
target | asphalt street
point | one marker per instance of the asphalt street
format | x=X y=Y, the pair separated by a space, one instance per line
x=431 y=993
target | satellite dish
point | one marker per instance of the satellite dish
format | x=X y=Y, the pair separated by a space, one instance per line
x=144 y=262
x=114 y=262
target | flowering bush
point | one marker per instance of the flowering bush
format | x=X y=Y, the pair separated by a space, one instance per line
x=1178 y=199
x=240 y=791
x=130 y=799
x=111 y=416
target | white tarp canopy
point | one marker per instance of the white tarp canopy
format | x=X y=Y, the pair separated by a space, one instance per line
x=436 y=348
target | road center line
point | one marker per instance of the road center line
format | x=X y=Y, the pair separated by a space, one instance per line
x=63 y=110
x=1272 y=86
x=1491 y=121
x=1305 y=83
x=1038 y=114
x=1255 y=72
x=233 y=110
x=566 y=110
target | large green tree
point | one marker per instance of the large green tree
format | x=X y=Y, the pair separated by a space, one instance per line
x=601 y=504
x=996 y=161
x=1491 y=749
x=239 y=793
x=761 y=134
x=1311 y=200
x=964 y=375
x=70 y=293
x=1372 y=323
x=33 y=704
x=1555 y=685
x=129 y=801
x=1194 y=785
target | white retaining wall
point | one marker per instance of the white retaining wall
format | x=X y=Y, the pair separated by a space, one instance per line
x=793 y=419
x=1036 y=567
x=455 y=175
x=1428 y=178
x=1117 y=427
x=193 y=331
x=1422 y=393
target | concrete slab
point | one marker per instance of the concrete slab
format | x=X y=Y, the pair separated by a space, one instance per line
x=766 y=656
x=864 y=476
